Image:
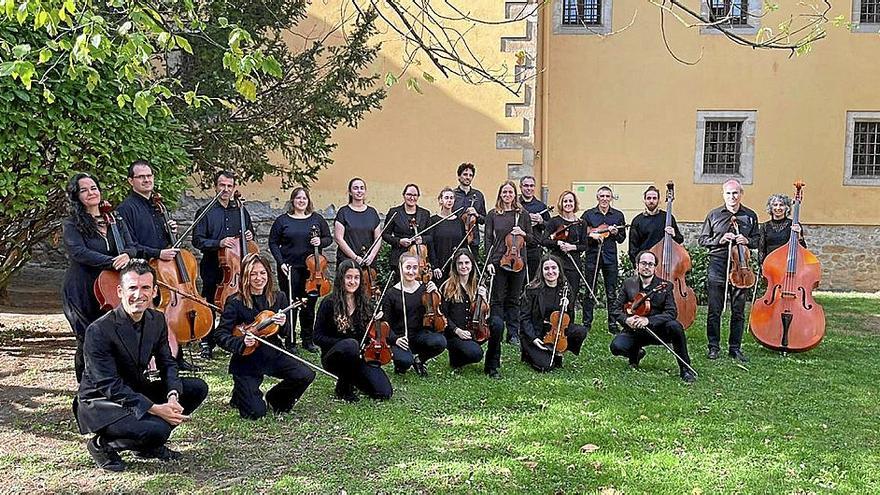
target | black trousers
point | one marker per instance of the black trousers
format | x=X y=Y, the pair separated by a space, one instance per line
x=493 y=349
x=628 y=343
x=533 y=258
x=344 y=360
x=295 y=379
x=78 y=323
x=306 y=314
x=609 y=278
x=539 y=359
x=463 y=352
x=150 y=432
x=505 y=298
x=209 y=287
x=423 y=343
x=737 y=310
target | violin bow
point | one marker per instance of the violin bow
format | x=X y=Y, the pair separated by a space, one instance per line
x=197 y=220
x=284 y=351
x=583 y=279
x=187 y=296
x=403 y=305
x=463 y=239
x=378 y=238
x=563 y=307
x=290 y=294
x=682 y=361
x=375 y=311
x=438 y=222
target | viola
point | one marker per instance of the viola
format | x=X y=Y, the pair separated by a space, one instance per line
x=604 y=230
x=375 y=348
x=740 y=275
x=370 y=280
x=188 y=315
x=433 y=318
x=470 y=222
x=478 y=323
x=787 y=318
x=559 y=322
x=230 y=259
x=318 y=282
x=107 y=283
x=263 y=325
x=673 y=264
x=563 y=231
x=641 y=304
x=512 y=259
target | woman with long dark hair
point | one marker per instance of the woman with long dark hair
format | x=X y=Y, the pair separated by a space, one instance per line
x=258 y=294
x=293 y=237
x=340 y=326
x=90 y=249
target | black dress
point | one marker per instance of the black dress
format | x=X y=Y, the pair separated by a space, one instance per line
x=360 y=229
x=445 y=238
x=401 y=228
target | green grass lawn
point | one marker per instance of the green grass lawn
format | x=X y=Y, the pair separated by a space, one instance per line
x=791 y=424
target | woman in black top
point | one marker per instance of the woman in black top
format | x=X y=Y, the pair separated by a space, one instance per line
x=543 y=297
x=90 y=249
x=568 y=226
x=412 y=344
x=459 y=292
x=508 y=217
x=258 y=294
x=776 y=232
x=400 y=235
x=340 y=327
x=447 y=236
x=293 y=237
x=357 y=227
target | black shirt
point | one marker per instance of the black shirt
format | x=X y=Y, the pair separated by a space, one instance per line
x=593 y=218
x=457 y=313
x=536 y=206
x=219 y=223
x=401 y=228
x=464 y=199
x=539 y=304
x=327 y=332
x=146 y=224
x=663 y=308
x=775 y=234
x=290 y=238
x=647 y=230
x=392 y=307
x=446 y=236
x=359 y=230
x=717 y=224
x=236 y=313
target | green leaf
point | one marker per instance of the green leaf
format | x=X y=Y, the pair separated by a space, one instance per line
x=25 y=73
x=120 y=100
x=247 y=88
x=390 y=79
x=21 y=14
x=50 y=98
x=70 y=6
x=162 y=39
x=142 y=102
x=223 y=22
x=96 y=40
x=20 y=51
x=183 y=43
x=41 y=19
x=271 y=67
x=428 y=77
x=6 y=68
x=124 y=28
x=45 y=55
x=412 y=84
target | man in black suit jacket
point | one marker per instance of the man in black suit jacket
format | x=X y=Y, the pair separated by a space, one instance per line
x=117 y=400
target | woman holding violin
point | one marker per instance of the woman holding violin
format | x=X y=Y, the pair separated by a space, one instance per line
x=407 y=221
x=508 y=228
x=251 y=361
x=357 y=227
x=293 y=238
x=340 y=327
x=545 y=322
x=645 y=309
x=775 y=233
x=404 y=309
x=91 y=249
x=467 y=314
x=447 y=236
x=566 y=239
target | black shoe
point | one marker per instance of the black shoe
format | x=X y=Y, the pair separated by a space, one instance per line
x=346 y=392
x=494 y=374
x=105 y=457
x=292 y=348
x=713 y=353
x=688 y=376
x=635 y=362
x=162 y=453
x=419 y=367
x=613 y=330
x=738 y=355
x=207 y=351
x=184 y=365
x=513 y=340
x=311 y=347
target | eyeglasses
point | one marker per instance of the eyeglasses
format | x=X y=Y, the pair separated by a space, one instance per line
x=143 y=176
x=647 y=263
x=411 y=195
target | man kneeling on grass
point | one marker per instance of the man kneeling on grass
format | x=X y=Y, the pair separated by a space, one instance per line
x=126 y=405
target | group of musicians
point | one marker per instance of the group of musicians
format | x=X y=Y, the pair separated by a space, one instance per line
x=525 y=276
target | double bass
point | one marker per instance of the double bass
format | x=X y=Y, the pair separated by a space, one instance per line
x=673 y=264
x=787 y=318
x=188 y=315
x=105 y=286
x=230 y=259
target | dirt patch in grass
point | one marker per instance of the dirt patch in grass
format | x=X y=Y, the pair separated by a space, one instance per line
x=858 y=325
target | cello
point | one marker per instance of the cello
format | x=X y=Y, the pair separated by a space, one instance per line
x=317 y=283
x=674 y=262
x=188 y=315
x=787 y=318
x=230 y=259
x=105 y=286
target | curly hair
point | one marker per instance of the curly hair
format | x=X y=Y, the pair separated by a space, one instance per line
x=784 y=199
x=83 y=220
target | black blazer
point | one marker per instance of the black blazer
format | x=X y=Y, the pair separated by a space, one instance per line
x=663 y=308
x=113 y=385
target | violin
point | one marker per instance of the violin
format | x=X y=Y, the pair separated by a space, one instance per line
x=604 y=230
x=317 y=283
x=433 y=318
x=641 y=304
x=107 y=283
x=263 y=325
x=740 y=275
x=370 y=280
x=420 y=251
x=559 y=322
x=512 y=259
x=673 y=264
x=478 y=323
x=787 y=318
x=470 y=222
x=375 y=348
x=188 y=315
x=563 y=231
x=230 y=259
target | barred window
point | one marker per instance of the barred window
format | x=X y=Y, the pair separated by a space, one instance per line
x=869 y=12
x=866 y=149
x=722 y=147
x=580 y=12
x=732 y=12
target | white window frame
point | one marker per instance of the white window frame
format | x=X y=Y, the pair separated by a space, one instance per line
x=756 y=11
x=868 y=27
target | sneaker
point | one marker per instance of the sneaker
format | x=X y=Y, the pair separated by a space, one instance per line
x=688 y=376
x=419 y=367
x=311 y=347
x=105 y=457
x=713 y=353
x=738 y=355
x=635 y=362
x=162 y=453
x=207 y=352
